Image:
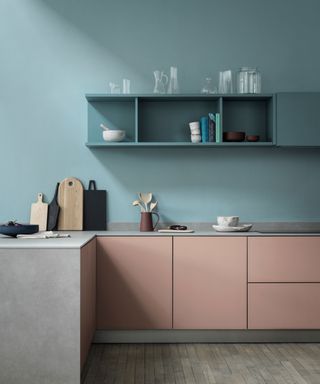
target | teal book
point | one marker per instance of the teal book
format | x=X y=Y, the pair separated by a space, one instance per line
x=218 y=129
x=204 y=127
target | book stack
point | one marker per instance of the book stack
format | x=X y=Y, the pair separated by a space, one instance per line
x=211 y=130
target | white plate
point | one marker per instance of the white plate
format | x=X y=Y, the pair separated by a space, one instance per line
x=240 y=228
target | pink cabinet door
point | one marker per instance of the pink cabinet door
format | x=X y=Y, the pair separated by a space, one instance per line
x=210 y=283
x=284 y=259
x=284 y=306
x=134 y=282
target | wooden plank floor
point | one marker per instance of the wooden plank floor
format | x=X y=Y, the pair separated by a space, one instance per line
x=203 y=364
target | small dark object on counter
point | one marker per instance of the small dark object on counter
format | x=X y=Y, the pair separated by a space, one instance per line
x=252 y=138
x=13 y=229
x=178 y=227
x=234 y=136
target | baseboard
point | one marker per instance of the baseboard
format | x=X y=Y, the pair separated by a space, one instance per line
x=208 y=336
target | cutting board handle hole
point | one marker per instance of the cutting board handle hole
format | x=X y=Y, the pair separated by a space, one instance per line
x=70 y=183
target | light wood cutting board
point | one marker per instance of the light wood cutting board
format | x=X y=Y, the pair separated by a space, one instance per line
x=39 y=213
x=70 y=200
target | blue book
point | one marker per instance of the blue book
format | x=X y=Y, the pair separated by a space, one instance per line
x=204 y=127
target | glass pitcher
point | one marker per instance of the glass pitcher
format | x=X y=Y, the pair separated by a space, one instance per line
x=160 y=82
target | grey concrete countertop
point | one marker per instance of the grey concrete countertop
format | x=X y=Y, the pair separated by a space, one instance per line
x=79 y=238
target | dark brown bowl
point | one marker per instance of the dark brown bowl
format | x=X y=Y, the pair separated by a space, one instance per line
x=234 y=136
x=252 y=138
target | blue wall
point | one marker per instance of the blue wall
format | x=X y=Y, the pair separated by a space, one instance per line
x=55 y=51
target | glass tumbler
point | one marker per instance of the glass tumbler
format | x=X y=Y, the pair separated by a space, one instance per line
x=173 y=86
x=248 y=80
x=226 y=81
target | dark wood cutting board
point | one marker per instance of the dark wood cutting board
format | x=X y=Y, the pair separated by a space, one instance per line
x=95 y=208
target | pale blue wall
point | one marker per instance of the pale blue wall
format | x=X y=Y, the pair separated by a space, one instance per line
x=55 y=51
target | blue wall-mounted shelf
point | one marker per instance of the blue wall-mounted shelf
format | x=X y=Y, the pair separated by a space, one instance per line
x=162 y=120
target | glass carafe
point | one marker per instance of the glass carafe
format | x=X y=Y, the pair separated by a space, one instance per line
x=160 y=82
x=248 y=80
x=173 y=86
x=208 y=86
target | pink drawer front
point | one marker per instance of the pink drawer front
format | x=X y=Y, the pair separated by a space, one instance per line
x=284 y=306
x=284 y=259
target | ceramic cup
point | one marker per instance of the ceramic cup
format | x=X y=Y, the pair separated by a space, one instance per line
x=195 y=138
x=228 y=221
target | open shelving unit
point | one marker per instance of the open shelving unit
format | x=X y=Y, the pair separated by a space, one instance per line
x=162 y=120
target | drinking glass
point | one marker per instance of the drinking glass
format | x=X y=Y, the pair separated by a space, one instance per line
x=226 y=81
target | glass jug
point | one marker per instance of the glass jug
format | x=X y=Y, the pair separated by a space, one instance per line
x=160 y=82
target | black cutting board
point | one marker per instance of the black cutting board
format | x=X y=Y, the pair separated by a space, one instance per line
x=95 y=208
x=53 y=211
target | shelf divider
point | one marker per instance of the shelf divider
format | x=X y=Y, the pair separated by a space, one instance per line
x=221 y=115
x=136 y=119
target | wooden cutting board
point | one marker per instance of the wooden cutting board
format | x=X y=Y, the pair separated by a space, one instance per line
x=39 y=213
x=70 y=200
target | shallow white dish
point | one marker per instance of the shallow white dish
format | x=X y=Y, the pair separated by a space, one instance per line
x=239 y=228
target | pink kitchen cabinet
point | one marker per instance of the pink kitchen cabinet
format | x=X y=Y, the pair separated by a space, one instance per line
x=284 y=282
x=284 y=259
x=284 y=306
x=210 y=283
x=134 y=283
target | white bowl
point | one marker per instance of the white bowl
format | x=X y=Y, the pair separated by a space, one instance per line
x=228 y=221
x=114 y=135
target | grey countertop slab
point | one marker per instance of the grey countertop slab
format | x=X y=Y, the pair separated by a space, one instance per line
x=79 y=238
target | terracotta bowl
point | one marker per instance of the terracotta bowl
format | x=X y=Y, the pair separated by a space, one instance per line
x=252 y=138
x=234 y=136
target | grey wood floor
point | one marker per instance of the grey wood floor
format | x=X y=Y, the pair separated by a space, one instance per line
x=203 y=363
